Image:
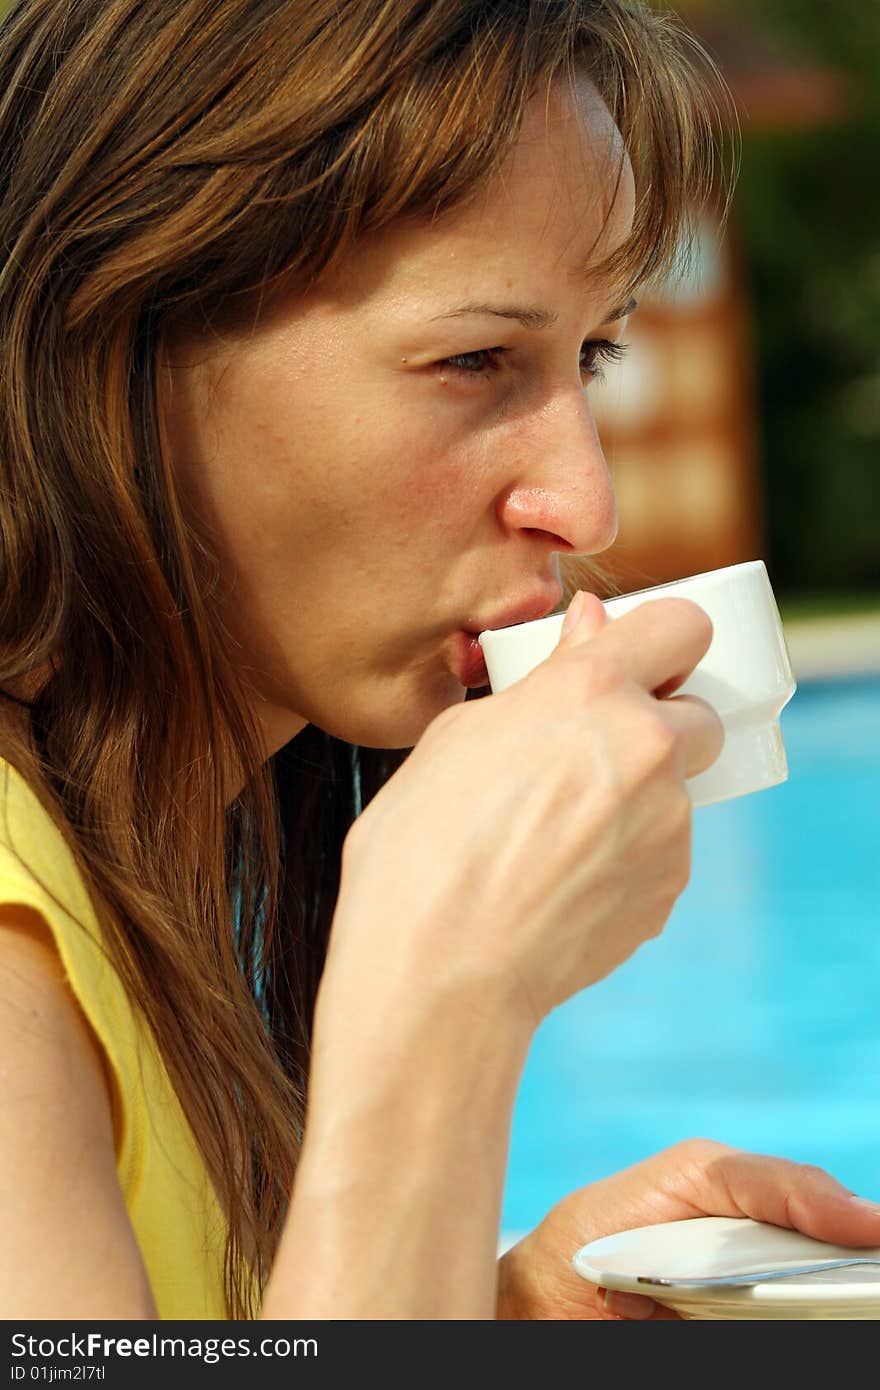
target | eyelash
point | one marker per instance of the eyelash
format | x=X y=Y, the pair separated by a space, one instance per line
x=603 y=348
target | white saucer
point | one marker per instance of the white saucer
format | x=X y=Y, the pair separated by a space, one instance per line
x=666 y=1262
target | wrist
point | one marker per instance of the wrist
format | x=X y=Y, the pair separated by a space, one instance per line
x=432 y=1050
x=404 y=1158
x=382 y=1014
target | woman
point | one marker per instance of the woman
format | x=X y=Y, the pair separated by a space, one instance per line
x=299 y=305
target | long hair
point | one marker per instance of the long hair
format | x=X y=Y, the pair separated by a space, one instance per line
x=178 y=161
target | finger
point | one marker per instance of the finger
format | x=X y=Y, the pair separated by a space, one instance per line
x=798 y=1196
x=633 y=1306
x=698 y=730
x=584 y=617
x=659 y=643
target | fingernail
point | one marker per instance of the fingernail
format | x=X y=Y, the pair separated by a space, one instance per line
x=873 y=1207
x=629 y=1305
x=573 y=613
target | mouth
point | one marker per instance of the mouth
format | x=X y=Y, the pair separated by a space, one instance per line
x=466 y=661
x=466 y=657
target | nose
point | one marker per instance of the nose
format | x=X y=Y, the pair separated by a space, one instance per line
x=562 y=487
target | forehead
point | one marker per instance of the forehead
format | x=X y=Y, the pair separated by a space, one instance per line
x=561 y=202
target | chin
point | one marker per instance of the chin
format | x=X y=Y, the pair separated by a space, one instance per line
x=400 y=722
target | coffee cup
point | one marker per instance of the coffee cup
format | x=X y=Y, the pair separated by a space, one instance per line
x=745 y=675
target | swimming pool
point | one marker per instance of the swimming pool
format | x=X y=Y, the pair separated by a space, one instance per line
x=755 y=1017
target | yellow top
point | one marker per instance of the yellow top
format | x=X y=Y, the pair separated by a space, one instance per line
x=169 y=1197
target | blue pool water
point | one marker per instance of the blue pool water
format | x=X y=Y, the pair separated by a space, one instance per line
x=755 y=1017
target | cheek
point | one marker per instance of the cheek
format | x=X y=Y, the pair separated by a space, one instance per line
x=424 y=481
x=361 y=464
x=436 y=492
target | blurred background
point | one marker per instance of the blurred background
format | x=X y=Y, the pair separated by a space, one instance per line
x=745 y=421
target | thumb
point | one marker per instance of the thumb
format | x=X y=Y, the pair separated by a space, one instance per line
x=584 y=617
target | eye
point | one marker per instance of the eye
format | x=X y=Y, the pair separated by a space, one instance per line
x=475 y=363
x=597 y=351
x=483 y=360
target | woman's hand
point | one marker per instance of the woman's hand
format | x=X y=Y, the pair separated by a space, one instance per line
x=695 y=1178
x=526 y=847
x=533 y=840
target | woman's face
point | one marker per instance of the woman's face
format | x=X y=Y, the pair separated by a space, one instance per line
x=394 y=463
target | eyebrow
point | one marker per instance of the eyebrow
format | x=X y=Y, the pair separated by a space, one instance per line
x=530 y=316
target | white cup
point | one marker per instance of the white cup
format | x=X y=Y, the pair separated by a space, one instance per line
x=746 y=674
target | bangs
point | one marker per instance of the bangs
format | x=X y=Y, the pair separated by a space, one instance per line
x=436 y=135
x=676 y=117
x=441 y=118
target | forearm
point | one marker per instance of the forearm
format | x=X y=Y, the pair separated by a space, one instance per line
x=397 y=1201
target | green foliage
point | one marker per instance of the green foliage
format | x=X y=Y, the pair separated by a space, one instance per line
x=808 y=204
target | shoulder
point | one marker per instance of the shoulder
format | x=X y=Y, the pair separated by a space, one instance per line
x=51 y=927
x=92 y=1110
x=37 y=1008
x=38 y=871
x=33 y=848
x=68 y=1246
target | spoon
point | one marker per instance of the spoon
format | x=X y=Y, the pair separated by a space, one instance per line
x=758 y=1276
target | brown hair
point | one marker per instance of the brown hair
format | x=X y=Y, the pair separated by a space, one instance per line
x=160 y=162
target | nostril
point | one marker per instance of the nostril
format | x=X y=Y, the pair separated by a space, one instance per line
x=557 y=541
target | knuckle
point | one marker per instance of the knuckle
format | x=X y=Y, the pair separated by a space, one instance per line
x=811 y=1172
x=659 y=741
x=699 y=1152
x=601 y=670
x=712 y=727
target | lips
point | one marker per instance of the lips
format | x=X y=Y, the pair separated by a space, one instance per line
x=529 y=610
x=467 y=662
x=466 y=656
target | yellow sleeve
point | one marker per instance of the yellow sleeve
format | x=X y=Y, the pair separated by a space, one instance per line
x=38 y=871
x=170 y=1199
